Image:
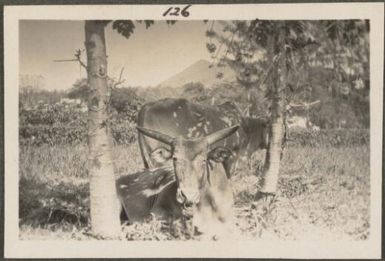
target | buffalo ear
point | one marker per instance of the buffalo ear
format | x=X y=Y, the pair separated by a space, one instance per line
x=220 y=154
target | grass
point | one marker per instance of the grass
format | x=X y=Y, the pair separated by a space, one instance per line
x=323 y=193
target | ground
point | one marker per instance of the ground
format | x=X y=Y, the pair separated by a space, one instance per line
x=324 y=193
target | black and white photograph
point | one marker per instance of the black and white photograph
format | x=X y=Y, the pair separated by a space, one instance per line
x=173 y=125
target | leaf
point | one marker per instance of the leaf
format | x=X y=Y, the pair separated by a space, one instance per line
x=211 y=47
x=124 y=27
x=148 y=23
x=170 y=22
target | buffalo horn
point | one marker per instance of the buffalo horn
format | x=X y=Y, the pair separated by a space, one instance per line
x=156 y=135
x=221 y=134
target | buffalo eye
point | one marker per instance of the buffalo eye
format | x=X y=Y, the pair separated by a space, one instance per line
x=220 y=154
x=161 y=155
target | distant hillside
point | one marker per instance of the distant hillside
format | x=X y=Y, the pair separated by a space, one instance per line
x=199 y=72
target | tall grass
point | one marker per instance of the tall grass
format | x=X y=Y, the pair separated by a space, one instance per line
x=323 y=192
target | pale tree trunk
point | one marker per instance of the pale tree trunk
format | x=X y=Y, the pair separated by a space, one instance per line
x=249 y=103
x=104 y=209
x=278 y=85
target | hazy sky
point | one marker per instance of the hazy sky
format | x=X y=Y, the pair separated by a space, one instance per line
x=148 y=56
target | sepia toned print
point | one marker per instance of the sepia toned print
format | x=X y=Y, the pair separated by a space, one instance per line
x=206 y=131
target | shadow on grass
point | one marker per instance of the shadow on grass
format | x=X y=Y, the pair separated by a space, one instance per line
x=44 y=203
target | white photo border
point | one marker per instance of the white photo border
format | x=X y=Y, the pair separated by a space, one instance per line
x=16 y=248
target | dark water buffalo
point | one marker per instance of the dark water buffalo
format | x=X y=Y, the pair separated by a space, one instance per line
x=197 y=141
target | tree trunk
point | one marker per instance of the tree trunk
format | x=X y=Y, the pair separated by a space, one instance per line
x=103 y=197
x=249 y=104
x=278 y=85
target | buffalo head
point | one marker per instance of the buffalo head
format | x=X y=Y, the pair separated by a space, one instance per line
x=190 y=159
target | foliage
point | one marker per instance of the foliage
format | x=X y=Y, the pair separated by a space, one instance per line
x=124 y=27
x=80 y=90
x=127 y=27
x=253 y=102
x=329 y=57
x=55 y=114
x=122 y=133
x=54 y=202
x=57 y=135
x=193 y=88
x=323 y=194
x=195 y=92
x=59 y=125
x=125 y=100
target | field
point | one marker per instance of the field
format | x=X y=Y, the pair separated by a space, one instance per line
x=324 y=192
x=315 y=74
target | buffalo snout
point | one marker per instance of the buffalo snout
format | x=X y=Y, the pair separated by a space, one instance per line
x=187 y=197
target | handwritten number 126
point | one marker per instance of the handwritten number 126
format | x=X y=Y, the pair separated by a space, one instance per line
x=174 y=11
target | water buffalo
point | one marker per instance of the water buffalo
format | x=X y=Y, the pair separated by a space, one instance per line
x=197 y=141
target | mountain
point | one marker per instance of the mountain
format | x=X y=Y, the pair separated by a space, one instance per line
x=199 y=71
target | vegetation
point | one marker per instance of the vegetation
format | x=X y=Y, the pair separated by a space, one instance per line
x=324 y=60
x=61 y=125
x=54 y=195
x=69 y=127
x=275 y=57
x=319 y=165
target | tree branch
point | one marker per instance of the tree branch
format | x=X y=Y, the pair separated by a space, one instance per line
x=120 y=81
x=77 y=59
x=77 y=55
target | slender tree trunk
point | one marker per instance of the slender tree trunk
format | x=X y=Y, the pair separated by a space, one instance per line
x=278 y=85
x=249 y=103
x=104 y=209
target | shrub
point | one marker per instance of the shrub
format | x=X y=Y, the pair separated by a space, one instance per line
x=52 y=135
x=122 y=133
x=329 y=138
x=58 y=125
x=42 y=203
